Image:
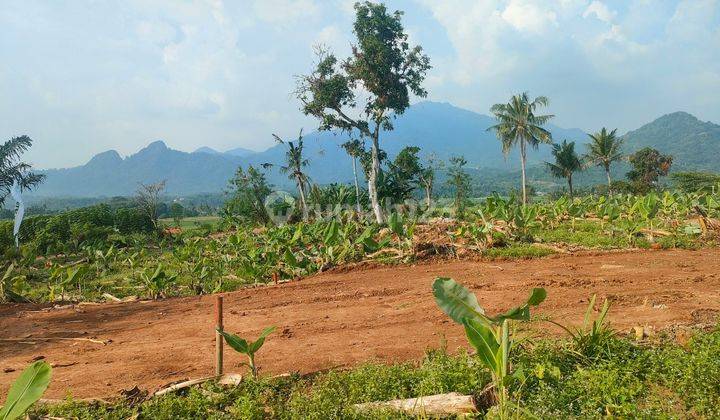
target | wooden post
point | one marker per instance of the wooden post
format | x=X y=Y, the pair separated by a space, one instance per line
x=218 y=336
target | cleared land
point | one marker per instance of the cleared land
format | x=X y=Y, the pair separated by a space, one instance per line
x=343 y=318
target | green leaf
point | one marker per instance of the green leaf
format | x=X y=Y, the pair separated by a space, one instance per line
x=255 y=346
x=396 y=224
x=27 y=389
x=537 y=296
x=481 y=337
x=522 y=313
x=456 y=301
x=239 y=344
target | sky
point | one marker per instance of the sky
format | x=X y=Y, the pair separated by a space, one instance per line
x=84 y=76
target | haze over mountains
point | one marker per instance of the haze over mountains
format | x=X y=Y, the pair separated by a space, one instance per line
x=438 y=128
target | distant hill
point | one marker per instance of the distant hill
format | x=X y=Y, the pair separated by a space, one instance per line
x=238 y=151
x=438 y=128
x=107 y=174
x=694 y=144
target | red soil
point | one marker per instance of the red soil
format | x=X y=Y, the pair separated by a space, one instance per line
x=344 y=318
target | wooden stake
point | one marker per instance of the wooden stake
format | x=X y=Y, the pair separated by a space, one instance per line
x=218 y=336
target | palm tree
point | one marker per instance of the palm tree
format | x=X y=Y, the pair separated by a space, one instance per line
x=294 y=167
x=603 y=150
x=13 y=170
x=566 y=163
x=519 y=125
x=355 y=148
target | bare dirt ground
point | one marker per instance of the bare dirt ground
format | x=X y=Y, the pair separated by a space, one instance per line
x=343 y=318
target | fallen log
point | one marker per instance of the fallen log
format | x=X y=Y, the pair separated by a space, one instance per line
x=227 y=379
x=431 y=405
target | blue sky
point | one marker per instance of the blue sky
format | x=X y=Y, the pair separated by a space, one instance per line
x=81 y=77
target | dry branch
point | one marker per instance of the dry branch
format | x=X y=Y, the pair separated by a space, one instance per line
x=28 y=339
x=227 y=379
x=432 y=405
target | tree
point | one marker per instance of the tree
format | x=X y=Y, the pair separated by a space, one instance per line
x=177 y=212
x=427 y=178
x=567 y=162
x=13 y=170
x=519 y=125
x=696 y=181
x=648 y=165
x=459 y=181
x=147 y=198
x=294 y=167
x=403 y=174
x=603 y=150
x=248 y=192
x=355 y=149
x=383 y=70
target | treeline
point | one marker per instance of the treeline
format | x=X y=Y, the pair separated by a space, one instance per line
x=68 y=231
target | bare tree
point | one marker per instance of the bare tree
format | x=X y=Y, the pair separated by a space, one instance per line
x=147 y=197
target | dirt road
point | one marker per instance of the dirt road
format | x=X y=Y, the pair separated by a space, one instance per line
x=340 y=319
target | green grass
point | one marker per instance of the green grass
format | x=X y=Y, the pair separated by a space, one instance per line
x=631 y=380
x=586 y=233
x=517 y=250
x=193 y=223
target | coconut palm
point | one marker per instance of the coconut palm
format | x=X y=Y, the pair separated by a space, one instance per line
x=603 y=150
x=567 y=162
x=12 y=169
x=519 y=125
x=294 y=167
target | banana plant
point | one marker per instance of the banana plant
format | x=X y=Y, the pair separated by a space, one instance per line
x=26 y=390
x=490 y=336
x=249 y=349
x=157 y=281
x=7 y=282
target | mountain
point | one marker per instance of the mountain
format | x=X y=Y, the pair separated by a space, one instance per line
x=238 y=151
x=694 y=144
x=438 y=128
x=208 y=150
x=107 y=174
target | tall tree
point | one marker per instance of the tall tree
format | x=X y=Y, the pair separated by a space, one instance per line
x=567 y=162
x=294 y=167
x=648 y=165
x=459 y=181
x=427 y=177
x=603 y=150
x=518 y=124
x=147 y=198
x=248 y=192
x=382 y=71
x=355 y=149
x=12 y=169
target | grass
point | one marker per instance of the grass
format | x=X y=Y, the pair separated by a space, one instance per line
x=586 y=233
x=632 y=380
x=517 y=251
x=193 y=223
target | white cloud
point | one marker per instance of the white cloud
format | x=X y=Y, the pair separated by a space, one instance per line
x=526 y=16
x=600 y=10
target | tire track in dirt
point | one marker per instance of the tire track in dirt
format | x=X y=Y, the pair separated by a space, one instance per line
x=347 y=317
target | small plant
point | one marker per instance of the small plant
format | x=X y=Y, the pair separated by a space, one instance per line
x=242 y=346
x=157 y=281
x=7 y=294
x=590 y=341
x=26 y=390
x=490 y=336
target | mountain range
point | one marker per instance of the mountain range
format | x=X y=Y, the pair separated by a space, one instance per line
x=438 y=128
